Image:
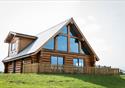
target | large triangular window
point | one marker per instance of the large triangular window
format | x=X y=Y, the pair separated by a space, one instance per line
x=74 y=45
x=60 y=41
x=49 y=44
x=74 y=31
x=64 y=30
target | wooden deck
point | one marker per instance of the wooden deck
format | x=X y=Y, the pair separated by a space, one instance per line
x=47 y=68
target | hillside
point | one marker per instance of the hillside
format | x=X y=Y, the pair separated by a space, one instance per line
x=60 y=81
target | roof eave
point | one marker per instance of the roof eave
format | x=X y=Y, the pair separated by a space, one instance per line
x=12 y=34
x=18 y=57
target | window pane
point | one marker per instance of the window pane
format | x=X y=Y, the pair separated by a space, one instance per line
x=74 y=45
x=60 y=61
x=62 y=43
x=81 y=62
x=85 y=51
x=49 y=44
x=13 y=46
x=72 y=32
x=64 y=30
x=75 y=62
x=53 y=60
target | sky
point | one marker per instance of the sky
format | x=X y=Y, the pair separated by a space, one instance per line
x=102 y=23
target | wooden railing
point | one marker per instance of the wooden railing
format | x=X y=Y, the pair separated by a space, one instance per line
x=39 y=68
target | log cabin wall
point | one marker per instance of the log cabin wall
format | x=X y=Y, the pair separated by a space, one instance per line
x=68 y=60
x=43 y=58
x=15 y=51
x=9 y=67
x=17 y=66
x=27 y=60
x=24 y=42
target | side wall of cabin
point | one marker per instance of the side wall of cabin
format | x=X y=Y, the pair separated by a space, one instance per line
x=43 y=59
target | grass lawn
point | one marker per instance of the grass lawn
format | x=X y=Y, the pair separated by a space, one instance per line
x=60 y=81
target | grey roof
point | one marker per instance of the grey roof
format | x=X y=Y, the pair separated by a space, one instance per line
x=12 y=34
x=42 y=38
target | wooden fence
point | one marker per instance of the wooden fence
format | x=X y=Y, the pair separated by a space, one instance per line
x=39 y=68
x=30 y=68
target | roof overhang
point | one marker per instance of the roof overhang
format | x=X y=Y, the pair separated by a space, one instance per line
x=7 y=59
x=15 y=34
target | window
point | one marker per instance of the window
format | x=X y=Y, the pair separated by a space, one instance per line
x=74 y=45
x=49 y=44
x=13 y=46
x=55 y=60
x=72 y=32
x=64 y=30
x=78 y=62
x=85 y=50
x=62 y=43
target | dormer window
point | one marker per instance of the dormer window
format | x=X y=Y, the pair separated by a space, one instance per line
x=13 y=46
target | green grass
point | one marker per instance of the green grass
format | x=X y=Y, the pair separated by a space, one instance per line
x=60 y=81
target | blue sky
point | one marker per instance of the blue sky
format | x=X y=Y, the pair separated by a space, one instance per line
x=102 y=23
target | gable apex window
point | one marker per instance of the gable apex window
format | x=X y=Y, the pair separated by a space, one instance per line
x=85 y=50
x=72 y=32
x=62 y=43
x=64 y=30
x=49 y=44
x=74 y=45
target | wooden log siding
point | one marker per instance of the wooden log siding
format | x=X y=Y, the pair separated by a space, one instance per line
x=44 y=65
x=45 y=62
x=68 y=57
x=18 y=66
x=10 y=67
x=27 y=60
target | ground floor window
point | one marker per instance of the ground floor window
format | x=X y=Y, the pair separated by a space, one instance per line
x=78 y=62
x=57 y=60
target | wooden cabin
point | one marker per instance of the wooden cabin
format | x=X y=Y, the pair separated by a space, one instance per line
x=61 y=48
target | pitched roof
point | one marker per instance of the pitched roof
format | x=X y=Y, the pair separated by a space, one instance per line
x=12 y=34
x=42 y=38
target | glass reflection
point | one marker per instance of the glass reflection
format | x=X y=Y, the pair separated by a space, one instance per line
x=64 y=30
x=78 y=62
x=55 y=60
x=62 y=43
x=74 y=45
x=49 y=44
